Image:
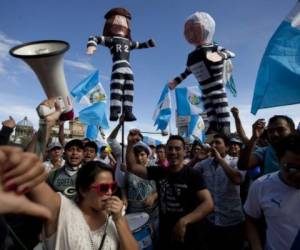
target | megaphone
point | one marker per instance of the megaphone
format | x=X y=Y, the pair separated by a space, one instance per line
x=46 y=59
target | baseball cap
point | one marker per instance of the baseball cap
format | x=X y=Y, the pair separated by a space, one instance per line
x=74 y=142
x=53 y=145
x=236 y=140
x=144 y=145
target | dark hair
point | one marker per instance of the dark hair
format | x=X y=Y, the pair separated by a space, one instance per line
x=176 y=137
x=289 y=121
x=225 y=138
x=102 y=148
x=91 y=144
x=138 y=149
x=289 y=143
x=117 y=11
x=87 y=173
x=76 y=142
x=163 y=146
x=140 y=135
x=194 y=145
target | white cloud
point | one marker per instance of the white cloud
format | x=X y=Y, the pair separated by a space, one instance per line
x=5 y=44
x=80 y=64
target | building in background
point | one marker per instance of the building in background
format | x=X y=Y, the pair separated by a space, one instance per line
x=23 y=132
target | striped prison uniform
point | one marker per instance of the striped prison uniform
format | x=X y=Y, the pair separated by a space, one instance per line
x=122 y=75
x=210 y=77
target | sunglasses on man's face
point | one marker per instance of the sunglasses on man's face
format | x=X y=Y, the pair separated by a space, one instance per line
x=103 y=188
x=290 y=168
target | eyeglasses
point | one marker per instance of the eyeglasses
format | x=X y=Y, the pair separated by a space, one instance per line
x=103 y=188
x=290 y=168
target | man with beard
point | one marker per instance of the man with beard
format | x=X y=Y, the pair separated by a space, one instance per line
x=279 y=126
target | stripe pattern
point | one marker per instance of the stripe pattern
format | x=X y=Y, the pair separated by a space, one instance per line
x=122 y=80
x=210 y=77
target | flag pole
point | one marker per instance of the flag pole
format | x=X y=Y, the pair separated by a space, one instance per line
x=123 y=126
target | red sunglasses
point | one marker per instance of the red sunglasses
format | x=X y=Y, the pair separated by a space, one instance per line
x=103 y=188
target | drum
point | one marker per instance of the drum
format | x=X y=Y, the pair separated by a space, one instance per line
x=138 y=223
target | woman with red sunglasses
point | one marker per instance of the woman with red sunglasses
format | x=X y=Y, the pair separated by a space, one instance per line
x=93 y=221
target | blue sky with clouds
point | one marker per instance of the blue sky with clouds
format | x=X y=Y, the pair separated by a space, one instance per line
x=241 y=26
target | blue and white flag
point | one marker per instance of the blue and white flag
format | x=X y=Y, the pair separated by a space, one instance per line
x=95 y=115
x=278 y=78
x=188 y=101
x=196 y=128
x=92 y=132
x=230 y=85
x=227 y=77
x=162 y=113
x=151 y=141
x=89 y=90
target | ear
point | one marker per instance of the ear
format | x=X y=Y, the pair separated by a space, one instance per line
x=82 y=192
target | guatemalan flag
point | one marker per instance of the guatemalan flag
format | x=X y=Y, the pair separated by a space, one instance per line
x=95 y=115
x=162 y=113
x=278 y=78
x=196 y=128
x=188 y=101
x=89 y=90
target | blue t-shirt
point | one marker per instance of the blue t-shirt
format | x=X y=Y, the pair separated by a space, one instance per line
x=268 y=156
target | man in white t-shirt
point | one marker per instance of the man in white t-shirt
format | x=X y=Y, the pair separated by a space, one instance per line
x=276 y=196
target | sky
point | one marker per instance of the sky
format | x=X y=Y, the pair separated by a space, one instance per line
x=243 y=27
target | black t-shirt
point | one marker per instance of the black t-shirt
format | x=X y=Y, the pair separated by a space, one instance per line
x=177 y=195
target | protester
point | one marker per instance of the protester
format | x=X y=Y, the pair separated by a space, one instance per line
x=90 y=151
x=161 y=156
x=142 y=194
x=117 y=150
x=225 y=227
x=238 y=124
x=199 y=152
x=55 y=153
x=235 y=146
x=103 y=155
x=6 y=130
x=276 y=197
x=153 y=155
x=184 y=200
x=279 y=126
x=80 y=224
x=63 y=179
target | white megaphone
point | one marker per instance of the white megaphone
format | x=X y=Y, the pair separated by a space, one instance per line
x=46 y=59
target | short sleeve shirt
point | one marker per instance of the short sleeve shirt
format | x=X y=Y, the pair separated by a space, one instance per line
x=226 y=195
x=177 y=194
x=280 y=204
x=268 y=156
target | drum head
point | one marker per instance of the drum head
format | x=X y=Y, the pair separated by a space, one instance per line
x=137 y=220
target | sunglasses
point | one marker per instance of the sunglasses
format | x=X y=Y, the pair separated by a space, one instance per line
x=103 y=188
x=291 y=169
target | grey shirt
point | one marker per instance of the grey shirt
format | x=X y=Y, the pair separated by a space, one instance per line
x=226 y=195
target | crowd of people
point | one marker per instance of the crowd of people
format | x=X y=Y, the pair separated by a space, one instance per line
x=229 y=192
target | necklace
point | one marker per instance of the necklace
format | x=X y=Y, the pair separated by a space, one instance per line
x=93 y=245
